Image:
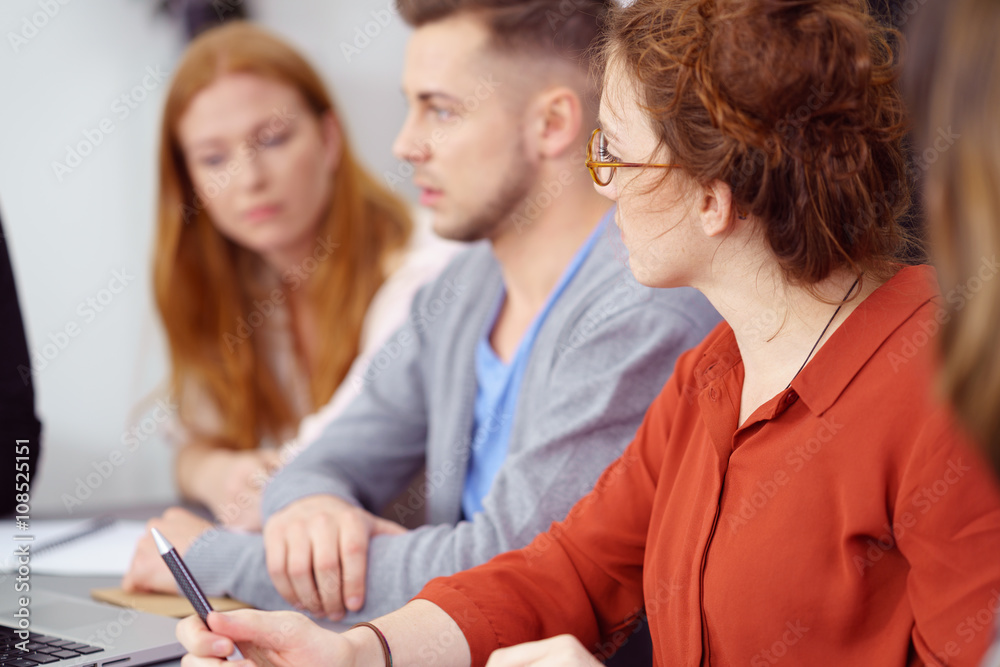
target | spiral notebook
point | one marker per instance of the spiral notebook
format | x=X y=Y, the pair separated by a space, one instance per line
x=76 y=547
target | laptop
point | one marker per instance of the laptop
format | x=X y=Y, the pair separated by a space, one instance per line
x=67 y=631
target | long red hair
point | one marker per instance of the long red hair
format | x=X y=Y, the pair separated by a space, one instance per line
x=203 y=281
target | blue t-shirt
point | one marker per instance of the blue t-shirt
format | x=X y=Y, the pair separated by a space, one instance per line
x=498 y=386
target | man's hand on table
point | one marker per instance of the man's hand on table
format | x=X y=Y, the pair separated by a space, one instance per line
x=317 y=553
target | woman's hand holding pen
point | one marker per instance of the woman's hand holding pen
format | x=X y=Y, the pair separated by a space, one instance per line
x=273 y=639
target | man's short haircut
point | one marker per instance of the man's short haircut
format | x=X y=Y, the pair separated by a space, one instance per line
x=554 y=28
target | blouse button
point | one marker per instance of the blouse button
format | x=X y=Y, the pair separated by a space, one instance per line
x=713 y=393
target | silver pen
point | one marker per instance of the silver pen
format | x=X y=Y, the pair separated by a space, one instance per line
x=187 y=584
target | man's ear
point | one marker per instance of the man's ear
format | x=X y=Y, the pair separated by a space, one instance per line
x=333 y=140
x=558 y=117
x=716 y=208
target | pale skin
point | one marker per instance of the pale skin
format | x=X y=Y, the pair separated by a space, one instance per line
x=271 y=204
x=680 y=233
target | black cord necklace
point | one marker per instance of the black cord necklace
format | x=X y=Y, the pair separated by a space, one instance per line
x=823 y=333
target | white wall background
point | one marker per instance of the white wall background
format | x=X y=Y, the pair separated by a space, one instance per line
x=69 y=233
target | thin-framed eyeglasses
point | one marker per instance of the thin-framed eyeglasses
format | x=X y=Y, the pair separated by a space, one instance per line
x=602 y=169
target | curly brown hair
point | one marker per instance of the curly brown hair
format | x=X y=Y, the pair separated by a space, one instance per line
x=795 y=105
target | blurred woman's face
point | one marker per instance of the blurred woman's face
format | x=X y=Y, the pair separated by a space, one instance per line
x=261 y=163
x=657 y=217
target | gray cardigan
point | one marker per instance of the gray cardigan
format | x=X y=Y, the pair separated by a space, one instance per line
x=602 y=355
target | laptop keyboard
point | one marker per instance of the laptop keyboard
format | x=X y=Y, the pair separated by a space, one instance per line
x=42 y=649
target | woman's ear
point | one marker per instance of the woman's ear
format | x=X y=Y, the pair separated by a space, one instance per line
x=333 y=140
x=716 y=208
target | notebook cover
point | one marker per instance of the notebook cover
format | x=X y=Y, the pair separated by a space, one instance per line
x=159 y=603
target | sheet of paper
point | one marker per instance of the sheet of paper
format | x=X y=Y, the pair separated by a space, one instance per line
x=106 y=552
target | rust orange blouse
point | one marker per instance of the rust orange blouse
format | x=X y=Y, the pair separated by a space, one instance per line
x=846 y=523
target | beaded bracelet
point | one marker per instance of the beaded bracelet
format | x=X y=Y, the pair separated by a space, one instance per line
x=385 y=645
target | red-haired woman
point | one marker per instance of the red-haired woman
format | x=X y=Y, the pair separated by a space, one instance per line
x=278 y=261
x=796 y=495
